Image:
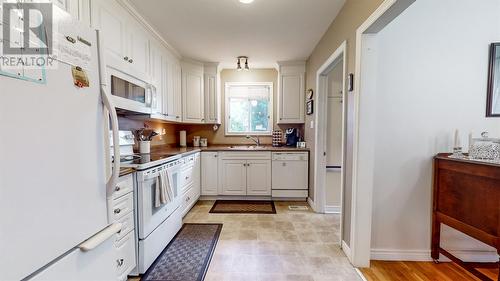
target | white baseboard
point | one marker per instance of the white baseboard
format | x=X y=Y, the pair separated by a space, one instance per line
x=311 y=203
x=347 y=250
x=400 y=255
x=425 y=255
x=332 y=209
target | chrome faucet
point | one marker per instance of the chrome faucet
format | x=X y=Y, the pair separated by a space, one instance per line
x=256 y=139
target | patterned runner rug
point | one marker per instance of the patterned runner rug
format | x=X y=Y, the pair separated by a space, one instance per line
x=242 y=206
x=188 y=255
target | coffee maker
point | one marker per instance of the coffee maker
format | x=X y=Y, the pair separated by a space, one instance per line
x=292 y=136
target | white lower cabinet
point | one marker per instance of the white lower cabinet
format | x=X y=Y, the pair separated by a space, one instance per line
x=209 y=173
x=233 y=177
x=259 y=177
x=190 y=182
x=244 y=173
x=125 y=256
x=122 y=211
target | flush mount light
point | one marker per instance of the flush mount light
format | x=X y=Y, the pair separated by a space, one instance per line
x=238 y=64
x=246 y=1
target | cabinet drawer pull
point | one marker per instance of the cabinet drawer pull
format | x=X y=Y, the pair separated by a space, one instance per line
x=125 y=58
x=117 y=211
x=284 y=164
x=187 y=178
x=131 y=60
x=117 y=188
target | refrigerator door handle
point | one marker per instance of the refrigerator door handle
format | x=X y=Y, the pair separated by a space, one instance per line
x=96 y=240
x=110 y=185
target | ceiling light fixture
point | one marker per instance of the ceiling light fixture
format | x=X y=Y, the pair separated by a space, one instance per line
x=238 y=64
x=246 y=64
x=246 y=1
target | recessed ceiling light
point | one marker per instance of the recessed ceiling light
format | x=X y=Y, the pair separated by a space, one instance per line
x=246 y=1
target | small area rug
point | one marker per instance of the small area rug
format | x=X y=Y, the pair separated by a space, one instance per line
x=187 y=256
x=243 y=207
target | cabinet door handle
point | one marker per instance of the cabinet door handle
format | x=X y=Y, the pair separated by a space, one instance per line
x=117 y=211
x=117 y=188
x=131 y=60
x=125 y=58
x=120 y=262
x=284 y=164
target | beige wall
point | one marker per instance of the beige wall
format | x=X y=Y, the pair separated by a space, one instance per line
x=352 y=15
x=231 y=75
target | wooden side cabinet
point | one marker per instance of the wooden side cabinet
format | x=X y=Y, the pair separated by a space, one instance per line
x=466 y=197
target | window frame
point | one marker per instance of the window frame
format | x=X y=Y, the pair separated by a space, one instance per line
x=270 y=106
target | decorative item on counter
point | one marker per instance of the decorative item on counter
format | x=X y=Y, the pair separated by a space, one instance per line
x=277 y=137
x=182 y=139
x=203 y=142
x=144 y=147
x=484 y=148
x=196 y=141
x=457 y=147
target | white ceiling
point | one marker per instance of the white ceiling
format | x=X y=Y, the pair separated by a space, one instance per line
x=220 y=30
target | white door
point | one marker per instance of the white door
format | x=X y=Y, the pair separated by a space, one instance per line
x=258 y=177
x=233 y=177
x=111 y=20
x=209 y=173
x=291 y=99
x=138 y=49
x=193 y=102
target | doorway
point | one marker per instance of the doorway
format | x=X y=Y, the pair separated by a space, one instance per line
x=330 y=135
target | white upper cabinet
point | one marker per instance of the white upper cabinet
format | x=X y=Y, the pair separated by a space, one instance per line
x=126 y=43
x=212 y=94
x=193 y=102
x=78 y=9
x=138 y=48
x=156 y=71
x=291 y=96
x=174 y=97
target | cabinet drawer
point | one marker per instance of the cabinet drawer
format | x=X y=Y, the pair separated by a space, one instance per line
x=122 y=206
x=186 y=178
x=188 y=199
x=125 y=185
x=127 y=225
x=125 y=256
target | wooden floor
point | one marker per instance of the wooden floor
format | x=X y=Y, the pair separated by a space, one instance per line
x=420 y=271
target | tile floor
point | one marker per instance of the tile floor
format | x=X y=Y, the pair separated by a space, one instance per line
x=289 y=245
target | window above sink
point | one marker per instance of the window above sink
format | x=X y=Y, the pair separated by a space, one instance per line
x=249 y=108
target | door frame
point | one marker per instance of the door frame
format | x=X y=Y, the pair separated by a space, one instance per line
x=338 y=56
x=363 y=149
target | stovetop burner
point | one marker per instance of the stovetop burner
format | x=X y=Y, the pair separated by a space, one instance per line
x=141 y=159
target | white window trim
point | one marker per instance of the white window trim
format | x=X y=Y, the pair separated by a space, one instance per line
x=271 y=107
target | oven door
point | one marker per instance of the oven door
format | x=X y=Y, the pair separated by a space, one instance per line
x=150 y=217
x=129 y=93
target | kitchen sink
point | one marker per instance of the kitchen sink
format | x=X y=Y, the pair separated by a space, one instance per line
x=246 y=147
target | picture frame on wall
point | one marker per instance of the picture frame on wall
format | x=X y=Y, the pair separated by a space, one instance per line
x=310 y=107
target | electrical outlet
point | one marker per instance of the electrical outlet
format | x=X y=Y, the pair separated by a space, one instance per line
x=311 y=125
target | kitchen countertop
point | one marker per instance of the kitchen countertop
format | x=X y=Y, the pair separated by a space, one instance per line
x=224 y=147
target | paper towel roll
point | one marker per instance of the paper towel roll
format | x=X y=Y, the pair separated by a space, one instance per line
x=182 y=137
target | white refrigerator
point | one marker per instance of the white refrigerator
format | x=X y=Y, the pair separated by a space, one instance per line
x=55 y=171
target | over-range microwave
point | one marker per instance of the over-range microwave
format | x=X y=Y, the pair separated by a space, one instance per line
x=131 y=94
